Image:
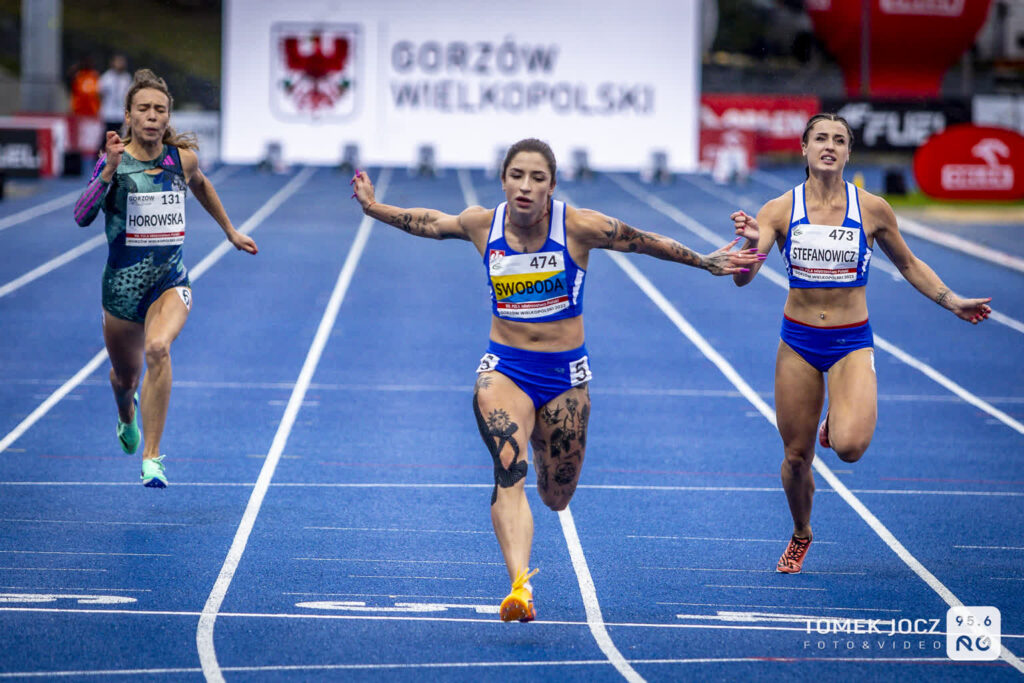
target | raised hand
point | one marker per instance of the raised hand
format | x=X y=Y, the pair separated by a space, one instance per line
x=362 y=189
x=746 y=226
x=113 y=146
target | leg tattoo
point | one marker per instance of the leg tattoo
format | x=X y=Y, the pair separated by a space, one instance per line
x=497 y=430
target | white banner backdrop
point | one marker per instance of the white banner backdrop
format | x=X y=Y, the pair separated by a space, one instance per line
x=619 y=79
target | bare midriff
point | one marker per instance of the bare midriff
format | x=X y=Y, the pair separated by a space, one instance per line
x=556 y=335
x=827 y=306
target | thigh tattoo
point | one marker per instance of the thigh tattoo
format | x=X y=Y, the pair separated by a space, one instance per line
x=569 y=422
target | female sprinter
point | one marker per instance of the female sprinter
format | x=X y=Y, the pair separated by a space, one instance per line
x=825 y=229
x=532 y=381
x=140 y=184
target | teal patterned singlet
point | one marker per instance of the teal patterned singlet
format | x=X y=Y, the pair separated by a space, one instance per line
x=136 y=274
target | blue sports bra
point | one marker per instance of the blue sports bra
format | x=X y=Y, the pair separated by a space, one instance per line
x=537 y=287
x=826 y=255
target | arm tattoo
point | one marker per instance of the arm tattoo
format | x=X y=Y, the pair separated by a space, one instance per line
x=624 y=237
x=942 y=298
x=414 y=225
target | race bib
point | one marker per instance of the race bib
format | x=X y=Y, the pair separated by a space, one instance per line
x=824 y=253
x=155 y=219
x=529 y=285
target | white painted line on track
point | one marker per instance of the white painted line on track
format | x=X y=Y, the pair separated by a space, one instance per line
x=746 y=605
x=40 y=210
x=79 y=552
x=730 y=373
x=987 y=547
x=386 y=485
x=83 y=521
x=389 y=561
x=1000 y=258
x=204 y=632
x=770 y=588
x=718 y=538
x=52 y=264
x=52 y=569
x=726 y=570
x=215 y=254
x=541 y=664
x=468 y=191
x=595 y=621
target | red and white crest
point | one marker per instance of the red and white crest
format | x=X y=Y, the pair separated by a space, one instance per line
x=314 y=70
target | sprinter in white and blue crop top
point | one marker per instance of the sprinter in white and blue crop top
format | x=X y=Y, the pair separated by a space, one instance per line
x=531 y=386
x=825 y=229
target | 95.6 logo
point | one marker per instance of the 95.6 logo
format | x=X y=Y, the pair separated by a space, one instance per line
x=973 y=633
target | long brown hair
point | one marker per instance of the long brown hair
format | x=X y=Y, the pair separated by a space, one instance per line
x=145 y=78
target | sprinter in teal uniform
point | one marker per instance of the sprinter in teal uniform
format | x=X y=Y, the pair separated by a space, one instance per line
x=531 y=386
x=140 y=183
x=825 y=229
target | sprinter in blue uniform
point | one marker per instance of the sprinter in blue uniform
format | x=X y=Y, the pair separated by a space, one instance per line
x=140 y=184
x=825 y=229
x=531 y=386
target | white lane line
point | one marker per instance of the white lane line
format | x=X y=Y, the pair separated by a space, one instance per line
x=460 y=388
x=72 y=552
x=780 y=280
x=717 y=538
x=204 y=631
x=407 y=531
x=771 y=588
x=50 y=569
x=82 y=521
x=468 y=191
x=40 y=210
x=918 y=229
x=52 y=264
x=385 y=485
x=251 y=224
x=599 y=663
x=72 y=254
x=595 y=621
x=72 y=588
x=906 y=224
x=769 y=414
x=987 y=547
x=360 y=559
x=747 y=605
x=724 y=570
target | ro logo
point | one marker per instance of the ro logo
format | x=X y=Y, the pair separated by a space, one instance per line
x=973 y=633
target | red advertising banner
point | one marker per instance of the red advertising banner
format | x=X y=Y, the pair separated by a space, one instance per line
x=972 y=162
x=912 y=45
x=775 y=121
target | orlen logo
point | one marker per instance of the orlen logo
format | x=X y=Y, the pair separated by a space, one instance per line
x=972 y=162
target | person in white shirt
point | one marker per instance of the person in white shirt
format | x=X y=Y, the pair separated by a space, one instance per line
x=114 y=84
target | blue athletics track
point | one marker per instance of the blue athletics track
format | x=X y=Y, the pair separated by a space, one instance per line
x=327 y=516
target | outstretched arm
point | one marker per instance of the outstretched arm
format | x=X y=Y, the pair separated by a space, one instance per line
x=419 y=222
x=604 y=232
x=917 y=272
x=203 y=190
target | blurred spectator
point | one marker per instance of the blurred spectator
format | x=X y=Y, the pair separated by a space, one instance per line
x=113 y=88
x=85 y=96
